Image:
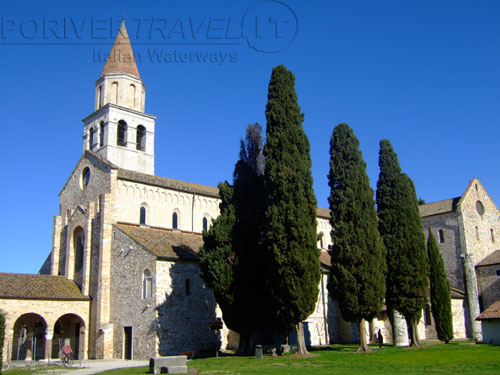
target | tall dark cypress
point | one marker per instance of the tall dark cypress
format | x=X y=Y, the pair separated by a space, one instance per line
x=401 y=230
x=251 y=293
x=440 y=292
x=232 y=249
x=357 y=276
x=291 y=253
x=217 y=258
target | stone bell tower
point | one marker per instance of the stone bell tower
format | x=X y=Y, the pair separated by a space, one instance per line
x=119 y=130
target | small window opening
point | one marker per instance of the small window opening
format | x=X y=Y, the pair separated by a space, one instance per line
x=441 y=236
x=205 y=224
x=99 y=97
x=91 y=138
x=498 y=272
x=142 y=218
x=427 y=315
x=147 y=288
x=141 y=138
x=188 y=287
x=101 y=134
x=480 y=208
x=85 y=177
x=78 y=245
x=114 y=93
x=121 y=139
x=175 y=219
x=477 y=233
x=492 y=233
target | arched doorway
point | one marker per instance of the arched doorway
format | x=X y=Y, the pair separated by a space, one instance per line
x=69 y=329
x=28 y=342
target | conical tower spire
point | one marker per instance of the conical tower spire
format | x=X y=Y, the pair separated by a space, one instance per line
x=121 y=58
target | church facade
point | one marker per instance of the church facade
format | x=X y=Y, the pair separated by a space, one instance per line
x=122 y=279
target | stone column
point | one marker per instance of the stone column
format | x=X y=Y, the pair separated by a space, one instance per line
x=83 y=343
x=29 y=344
x=49 y=334
x=7 y=347
x=400 y=333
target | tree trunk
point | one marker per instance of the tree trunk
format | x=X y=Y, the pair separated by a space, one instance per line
x=363 y=345
x=413 y=332
x=247 y=343
x=301 y=341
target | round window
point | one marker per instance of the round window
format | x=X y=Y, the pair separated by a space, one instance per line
x=85 y=177
x=480 y=208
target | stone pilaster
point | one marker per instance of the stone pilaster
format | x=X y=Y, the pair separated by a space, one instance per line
x=104 y=335
x=86 y=255
x=56 y=245
x=470 y=282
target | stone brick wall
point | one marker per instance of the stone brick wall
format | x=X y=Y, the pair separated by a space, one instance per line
x=128 y=307
x=183 y=319
x=459 y=319
x=479 y=242
x=450 y=249
x=489 y=284
x=316 y=324
x=160 y=205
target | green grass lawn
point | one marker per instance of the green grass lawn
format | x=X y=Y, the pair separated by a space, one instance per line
x=454 y=358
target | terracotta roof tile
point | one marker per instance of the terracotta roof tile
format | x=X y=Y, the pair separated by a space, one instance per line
x=26 y=286
x=165 y=243
x=457 y=293
x=492 y=312
x=440 y=207
x=493 y=258
x=121 y=58
x=323 y=212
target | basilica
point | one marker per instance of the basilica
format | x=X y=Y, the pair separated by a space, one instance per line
x=122 y=278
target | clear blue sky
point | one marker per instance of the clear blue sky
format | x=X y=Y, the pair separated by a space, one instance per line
x=423 y=74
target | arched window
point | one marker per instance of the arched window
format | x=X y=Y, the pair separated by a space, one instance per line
x=142 y=218
x=188 y=287
x=205 y=224
x=99 y=97
x=114 y=93
x=441 y=236
x=85 y=177
x=147 y=284
x=121 y=138
x=132 y=95
x=175 y=219
x=141 y=138
x=91 y=138
x=101 y=134
x=78 y=246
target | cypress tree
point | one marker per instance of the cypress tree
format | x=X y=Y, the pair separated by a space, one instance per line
x=232 y=249
x=357 y=276
x=292 y=257
x=251 y=293
x=440 y=292
x=401 y=230
x=217 y=258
